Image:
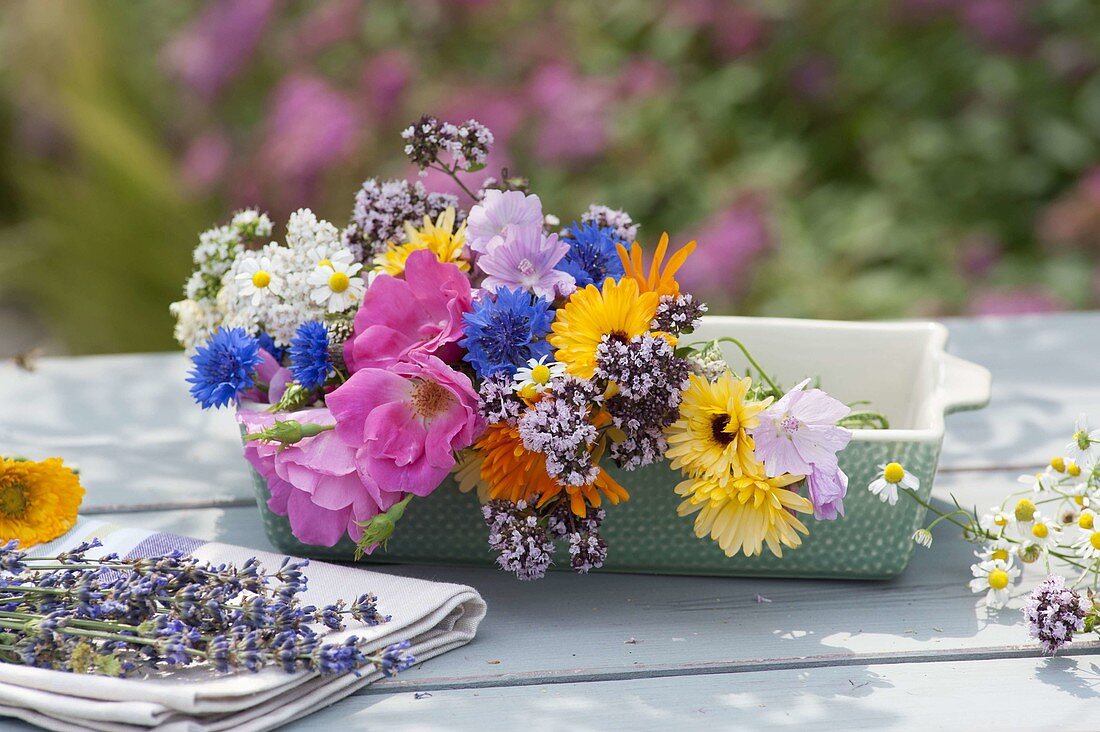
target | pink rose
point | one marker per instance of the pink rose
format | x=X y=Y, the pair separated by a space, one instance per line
x=419 y=315
x=314 y=482
x=406 y=422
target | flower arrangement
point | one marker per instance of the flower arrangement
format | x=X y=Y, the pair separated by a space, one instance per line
x=117 y=617
x=493 y=344
x=1051 y=522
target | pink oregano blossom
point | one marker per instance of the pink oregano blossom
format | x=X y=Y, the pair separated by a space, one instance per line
x=315 y=483
x=406 y=421
x=418 y=315
x=524 y=259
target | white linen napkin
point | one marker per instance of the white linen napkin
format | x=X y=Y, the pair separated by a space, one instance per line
x=434 y=616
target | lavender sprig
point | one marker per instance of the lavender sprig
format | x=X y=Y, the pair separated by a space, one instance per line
x=113 y=616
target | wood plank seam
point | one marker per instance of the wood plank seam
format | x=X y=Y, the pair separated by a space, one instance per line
x=538 y=678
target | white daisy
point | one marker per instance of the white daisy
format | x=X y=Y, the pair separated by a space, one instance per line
x=993 y=577
x=892 y=475
x=997 y=549
x=1087 y=520
x=1088 y=545
x=995 y=521
x=1037 y=531
x=336 y=285
x=1082 y=448
x=536 y=376
x=1037 y=482
x=256 y=278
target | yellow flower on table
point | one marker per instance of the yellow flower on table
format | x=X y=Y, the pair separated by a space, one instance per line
x=38 y=500
x=618 y=310
x=710 y=439
x=440 y=237
x=746 y=513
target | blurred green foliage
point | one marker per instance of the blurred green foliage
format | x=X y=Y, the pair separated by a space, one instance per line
x=841 y=158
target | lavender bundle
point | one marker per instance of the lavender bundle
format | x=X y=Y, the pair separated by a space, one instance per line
x=115 y=617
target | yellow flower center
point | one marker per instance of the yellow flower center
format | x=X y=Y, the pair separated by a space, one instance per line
x=1073 y=469
x=1001 y=554
x=1086 y=521
x=325 y=263
x=1058 y=464
x=528 y=391
x=893 y=473
x=13 y=500
x=1095 y=540
x=1000 y=520
x=540 y=374
x=261 y=279
x=338 y=282
x=1040 y=531
x=1079 y=500
x=1025 y=510
x=998 y=579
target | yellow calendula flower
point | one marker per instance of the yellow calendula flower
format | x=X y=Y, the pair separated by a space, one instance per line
x=746 y=513
x=661 y=277
x=38 y=501
x=440 y=237
x=710 y=439
x=618 y=310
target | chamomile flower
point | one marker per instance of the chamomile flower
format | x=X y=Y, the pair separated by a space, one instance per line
x=995 y=521
x=998 y=549
x=1082 y=448
x=1087 y=520
x=1038 y=482
x=891 y=477
x=993 y=577
x=1037 y=531
x=256 y=278
x=336 y=285
x=1087 y=545
x=536 y=376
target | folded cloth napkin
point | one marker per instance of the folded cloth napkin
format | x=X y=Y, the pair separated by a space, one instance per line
x=434 y=616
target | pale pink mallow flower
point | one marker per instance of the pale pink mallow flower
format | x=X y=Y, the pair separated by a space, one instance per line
x=407 y=421
x=827 y=487
x=524 y=259
x=315 y=483
x=799 y=431
x=420 y=314
x=497 y=210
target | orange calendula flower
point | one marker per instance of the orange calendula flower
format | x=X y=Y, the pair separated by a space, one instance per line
x=513 y=473
x=38 y=501
x=662 y=281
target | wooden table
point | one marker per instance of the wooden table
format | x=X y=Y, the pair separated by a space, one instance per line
x=637 y=652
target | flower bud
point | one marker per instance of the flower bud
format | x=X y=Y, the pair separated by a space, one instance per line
x=1029 y=554
x=379 y=529
x=289 y=431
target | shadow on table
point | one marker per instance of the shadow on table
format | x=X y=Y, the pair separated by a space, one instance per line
x=1076 y=676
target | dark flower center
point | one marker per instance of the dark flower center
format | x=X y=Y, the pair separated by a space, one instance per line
x=718 y=430
x=13 y=500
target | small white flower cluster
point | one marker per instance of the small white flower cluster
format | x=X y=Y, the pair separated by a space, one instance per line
x=1053 y=519
x=274 y=288
x=468 y=144
x=200 y=313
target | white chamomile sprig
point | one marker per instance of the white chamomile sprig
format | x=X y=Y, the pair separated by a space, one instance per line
x=891 y=477
x=257 y=279
x=535 y=377
x=1082 y=447
x=336 y=285
x=993 y=576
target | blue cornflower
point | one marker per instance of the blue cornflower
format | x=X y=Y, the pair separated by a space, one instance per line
x=506 y=332
x=310 y=359
x=268 y=344
x=224 y=367
x=592 y=255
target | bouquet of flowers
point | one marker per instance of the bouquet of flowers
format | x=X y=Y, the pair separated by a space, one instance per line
x=498 y=346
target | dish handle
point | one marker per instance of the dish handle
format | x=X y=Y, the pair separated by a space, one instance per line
x=965 y=385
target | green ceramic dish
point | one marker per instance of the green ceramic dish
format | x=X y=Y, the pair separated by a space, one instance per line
x=900 y=367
